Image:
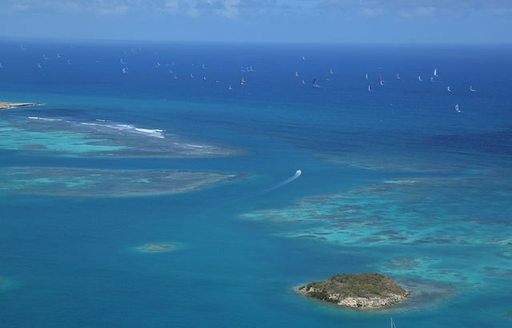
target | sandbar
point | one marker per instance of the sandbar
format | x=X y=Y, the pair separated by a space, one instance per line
x=11 y=105
x=157 y=247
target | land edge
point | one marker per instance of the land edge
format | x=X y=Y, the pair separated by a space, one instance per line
x=372 y=303
x=11 y=105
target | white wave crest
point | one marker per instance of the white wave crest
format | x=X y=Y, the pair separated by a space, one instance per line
x=155 y=133
x=44 y=119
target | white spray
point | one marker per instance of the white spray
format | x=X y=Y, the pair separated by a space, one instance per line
x=287 y=181
x=297 y=174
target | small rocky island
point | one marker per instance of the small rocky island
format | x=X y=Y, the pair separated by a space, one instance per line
x=357 y=290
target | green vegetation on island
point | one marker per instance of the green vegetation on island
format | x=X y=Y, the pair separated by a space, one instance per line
x=357 y=290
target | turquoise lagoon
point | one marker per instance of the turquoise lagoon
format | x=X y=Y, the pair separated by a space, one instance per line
x=393 y=181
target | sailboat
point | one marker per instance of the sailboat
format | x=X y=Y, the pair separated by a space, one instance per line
x=315 y=84
x=419 y=78
x=366 y=76
x=435 y=72
x=331 y=72
x=379 y=79
x=449 y=89
x=397 y=76
x=369 y=88
x=470 y=87
x=296 y=74
x=392 y=323
x=242 y=81
x=457 y=109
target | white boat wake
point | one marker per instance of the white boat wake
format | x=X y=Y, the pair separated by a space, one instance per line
x=297 y=174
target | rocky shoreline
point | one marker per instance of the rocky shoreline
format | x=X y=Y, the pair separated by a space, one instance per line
x=357 y=291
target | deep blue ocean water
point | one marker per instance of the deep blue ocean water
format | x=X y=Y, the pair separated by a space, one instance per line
x=435 y=183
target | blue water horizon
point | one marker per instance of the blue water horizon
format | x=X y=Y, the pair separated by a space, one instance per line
x=400 y=155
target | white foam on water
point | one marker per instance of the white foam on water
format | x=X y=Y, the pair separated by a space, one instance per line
x=195 y=146
x=44 y=119
x=155 y=133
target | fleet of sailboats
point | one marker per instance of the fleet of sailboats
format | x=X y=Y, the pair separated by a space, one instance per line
x=435 y=77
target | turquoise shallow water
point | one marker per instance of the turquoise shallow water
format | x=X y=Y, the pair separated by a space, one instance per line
x=393 y=181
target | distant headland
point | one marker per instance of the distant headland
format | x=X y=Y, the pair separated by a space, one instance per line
x=358 y=290
x=11 y=105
